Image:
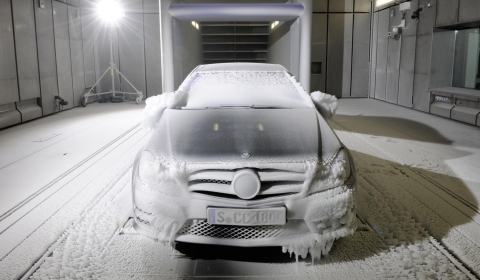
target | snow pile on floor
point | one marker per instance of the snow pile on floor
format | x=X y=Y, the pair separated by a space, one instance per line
x=326 y=104
x=86 y=242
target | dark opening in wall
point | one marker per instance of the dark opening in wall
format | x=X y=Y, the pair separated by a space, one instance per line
x=234 y=41
x=316 y=68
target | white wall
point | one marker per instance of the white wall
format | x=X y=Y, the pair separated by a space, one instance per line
x=279 y=45
x=187 y=51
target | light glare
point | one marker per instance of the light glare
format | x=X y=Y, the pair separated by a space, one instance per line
x=110 y=11
x=383 y=2
x=195 y=24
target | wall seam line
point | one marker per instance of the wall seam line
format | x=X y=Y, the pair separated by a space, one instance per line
x=144 y=51
x=16 y=62
x=38 y=59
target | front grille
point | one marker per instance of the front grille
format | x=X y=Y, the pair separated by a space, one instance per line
x=274 y=183
x=203 y=228
x=212 y=181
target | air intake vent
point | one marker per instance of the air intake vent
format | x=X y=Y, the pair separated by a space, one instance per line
x=291 y=228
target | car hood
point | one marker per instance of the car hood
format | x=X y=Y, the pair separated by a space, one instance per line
x=226 y=135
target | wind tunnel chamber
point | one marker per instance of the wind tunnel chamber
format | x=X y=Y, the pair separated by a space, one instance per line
x=195 y=34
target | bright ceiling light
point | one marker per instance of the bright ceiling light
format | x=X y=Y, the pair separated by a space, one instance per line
x=379 y=3
x=110 y=10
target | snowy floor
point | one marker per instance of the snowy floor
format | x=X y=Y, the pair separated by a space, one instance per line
x=65 y=197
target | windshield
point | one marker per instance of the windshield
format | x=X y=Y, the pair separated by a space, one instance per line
x=244 y=89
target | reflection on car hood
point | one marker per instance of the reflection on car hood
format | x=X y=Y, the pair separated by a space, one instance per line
x=223 y=135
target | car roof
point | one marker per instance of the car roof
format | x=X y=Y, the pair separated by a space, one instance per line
x=241 y=66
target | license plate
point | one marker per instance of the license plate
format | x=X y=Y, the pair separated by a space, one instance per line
x=246 y=217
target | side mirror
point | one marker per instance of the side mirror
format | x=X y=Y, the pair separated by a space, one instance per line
x=326 y=104
x=154 y=108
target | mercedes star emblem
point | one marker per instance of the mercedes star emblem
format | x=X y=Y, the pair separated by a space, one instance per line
x=245 y=155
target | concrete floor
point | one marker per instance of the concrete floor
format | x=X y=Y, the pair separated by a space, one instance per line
x=65 y=186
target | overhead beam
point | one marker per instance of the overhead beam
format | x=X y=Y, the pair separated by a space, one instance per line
x=236 y=12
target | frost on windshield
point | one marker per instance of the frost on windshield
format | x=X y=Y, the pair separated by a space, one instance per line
x=241 y=88
x=214 y=89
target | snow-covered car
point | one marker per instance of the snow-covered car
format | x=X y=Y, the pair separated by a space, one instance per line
x=241 y=155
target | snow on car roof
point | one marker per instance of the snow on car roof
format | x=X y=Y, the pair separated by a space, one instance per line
x=241 y=66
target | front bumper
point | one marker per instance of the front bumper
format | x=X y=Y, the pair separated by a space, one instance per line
x=329 y=214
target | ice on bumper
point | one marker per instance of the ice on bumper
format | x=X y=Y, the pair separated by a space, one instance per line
x=164 y=202
x=161 y=190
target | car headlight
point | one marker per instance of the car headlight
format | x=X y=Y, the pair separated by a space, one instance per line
x=154 y=173
x=145 y=165
x=332 y=174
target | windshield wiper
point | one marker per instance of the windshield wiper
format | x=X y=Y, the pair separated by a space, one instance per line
x=236 y=107
x=254 y=106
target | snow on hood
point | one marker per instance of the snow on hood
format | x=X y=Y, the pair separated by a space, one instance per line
x=222 y=135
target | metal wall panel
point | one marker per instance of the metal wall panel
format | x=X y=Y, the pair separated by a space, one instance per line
x=340 y=6
x=26 y=49
x=423 y=52
x=151 y=6
x=46 y=56
x=363 y=6
x=319 y=6
x=279 y=45
x=8 y=113
x=443 y=52
x=373 y=55
x=425 y=25
x=295 y=48
x=87 y=5
x=62 y=49
x=76 y=53
x=319 y=50
x=393 y=59
x=75 y=3
x=131 y=52
x=407 y=59
x=177 y=54
x=192 y=54
x=361 y=48
x=152 y=54
x=8 y=68
x=469 y=10
x=339 y=66
x=382 y=54
x=132 y=6
x=88 y=30
x=447 y=12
